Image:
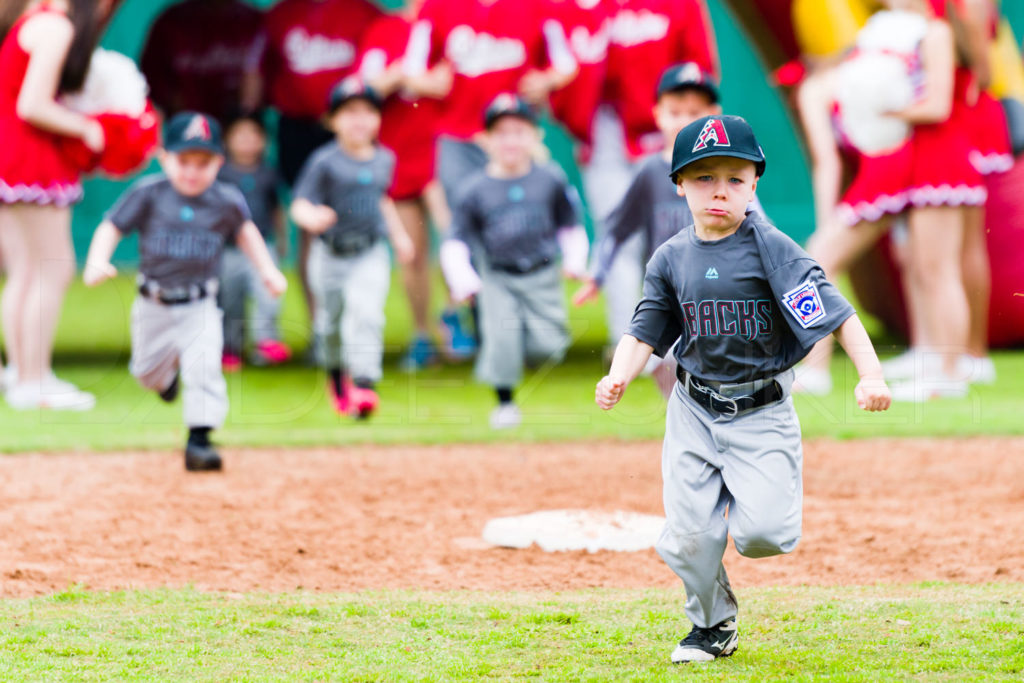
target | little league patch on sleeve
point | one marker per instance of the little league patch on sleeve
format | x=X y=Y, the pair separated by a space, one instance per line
x=804 y=303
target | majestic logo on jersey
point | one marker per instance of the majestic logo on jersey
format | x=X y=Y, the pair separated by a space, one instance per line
x=712 y=273
x=310 y=54
x=713 y=132
x=475 y=54
x=198 y=129
x=804 y=303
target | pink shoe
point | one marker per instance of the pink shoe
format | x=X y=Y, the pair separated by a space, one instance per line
x=229 y=362
x=271 y=352
x=365 y=401
x=343 y=404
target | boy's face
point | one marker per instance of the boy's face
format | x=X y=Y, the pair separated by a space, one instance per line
x=357 y=123
x=511 y=140
x=676 y=110
x=191 y=172
x=718 y=190
x=245 y=142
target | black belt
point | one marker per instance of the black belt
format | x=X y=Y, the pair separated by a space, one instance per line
x=174 y=296
x=714 y=402
x=349 y=245
x=516 y=269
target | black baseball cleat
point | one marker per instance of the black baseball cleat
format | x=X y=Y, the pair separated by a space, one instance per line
x=707 y=644
x=201 y=458
x=171 y=392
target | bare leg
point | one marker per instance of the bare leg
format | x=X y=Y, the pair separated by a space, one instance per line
x=977 y=281
x=417 y=274
x=15 y=264
x=835 y=247
x=43 y=275
x=936 y=247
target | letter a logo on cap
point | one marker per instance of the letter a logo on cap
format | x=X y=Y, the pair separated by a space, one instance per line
x=198 y=129
x=713 y=131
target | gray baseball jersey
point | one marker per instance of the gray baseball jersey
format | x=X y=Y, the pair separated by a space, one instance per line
x=259 y=186
x=744 y=307
x=180 y=238
x=514 y=220
x=353 y=188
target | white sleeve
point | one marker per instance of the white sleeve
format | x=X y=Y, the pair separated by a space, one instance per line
x=463 y=281
x=417 y=52
x=575 y=248
x=559 y=53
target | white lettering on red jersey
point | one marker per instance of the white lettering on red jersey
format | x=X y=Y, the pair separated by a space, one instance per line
x=631 y=28
x=310 y=54
x=475 y=54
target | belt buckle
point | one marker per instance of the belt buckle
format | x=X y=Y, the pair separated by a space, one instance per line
x=733 y=406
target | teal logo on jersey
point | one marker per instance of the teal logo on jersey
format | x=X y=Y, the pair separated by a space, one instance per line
x=365 y=176
x=516 y=193
x=187 y=213
x=712 y=274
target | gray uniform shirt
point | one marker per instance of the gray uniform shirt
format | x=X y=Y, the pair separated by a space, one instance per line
x=514 y=220
x=744 y=307
x=259 y=186
x=353 y=188
x=180 y=238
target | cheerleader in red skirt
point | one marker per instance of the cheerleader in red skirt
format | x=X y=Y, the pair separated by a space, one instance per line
x=45 y=46
x=929 y=177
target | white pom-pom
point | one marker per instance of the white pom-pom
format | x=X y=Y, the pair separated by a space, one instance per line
x=876 y=79
x=869 y=86
x=113 y=85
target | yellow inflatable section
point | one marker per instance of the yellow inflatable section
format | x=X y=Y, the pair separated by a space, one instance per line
x=1007 y=66
x=827 y=27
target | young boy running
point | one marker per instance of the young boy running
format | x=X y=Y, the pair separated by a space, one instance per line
x=745 y=303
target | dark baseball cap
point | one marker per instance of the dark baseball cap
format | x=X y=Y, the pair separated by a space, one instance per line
x=508 y=104
x=716 y=136
x=191 y=130
x=688 y=76
x=352 y=88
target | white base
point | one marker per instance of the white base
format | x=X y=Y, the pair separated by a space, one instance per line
x=557 y=530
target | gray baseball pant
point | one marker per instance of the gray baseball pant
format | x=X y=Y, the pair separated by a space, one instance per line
x=606 y=178
x=523 y=320
x=239 y=279
x=350 y=292
x=750 y=464
x=186 y=338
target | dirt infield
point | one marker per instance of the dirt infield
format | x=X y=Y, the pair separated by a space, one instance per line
x=356 y=518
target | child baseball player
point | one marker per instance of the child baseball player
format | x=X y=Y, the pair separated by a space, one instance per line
x=246 y=140
x=514 y=217
x=341 y=197
x=745 y=303
x=183 y=217
x=651 y=206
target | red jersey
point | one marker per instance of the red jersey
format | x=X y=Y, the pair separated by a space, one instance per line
x=310 y=46
x=490 y=44
x=586 y=24
x=647 y=36
x=408 y=125
x=192 y=63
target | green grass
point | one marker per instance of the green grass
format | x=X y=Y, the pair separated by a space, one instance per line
x=937 y=632
x=286 y=406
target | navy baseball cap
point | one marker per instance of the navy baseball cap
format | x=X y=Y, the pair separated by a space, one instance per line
x=688 y=76
x=190 y=131
x=352 y=88
x=507 y=104
x=716 y=136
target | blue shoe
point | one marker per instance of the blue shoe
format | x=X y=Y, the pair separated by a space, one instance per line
x=421 y=353
x=461 y=342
